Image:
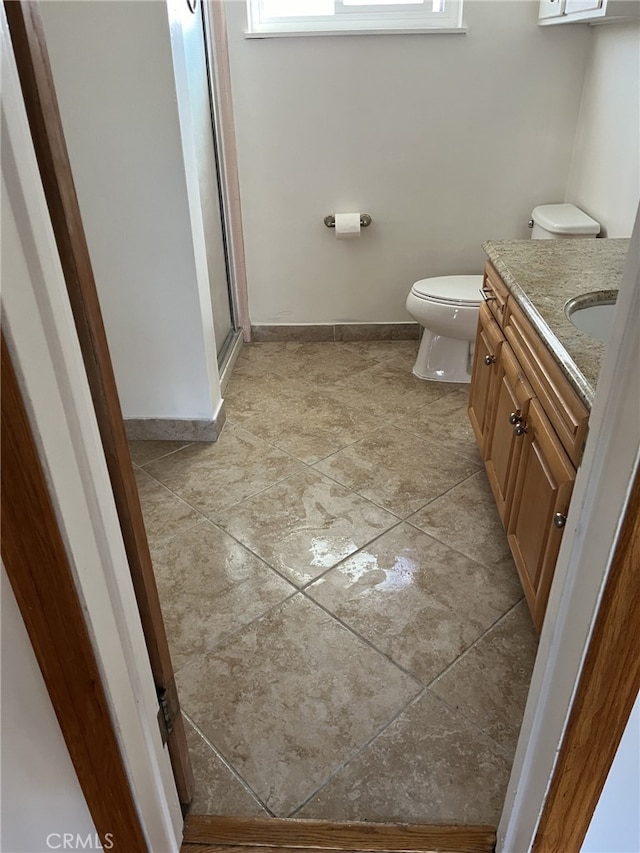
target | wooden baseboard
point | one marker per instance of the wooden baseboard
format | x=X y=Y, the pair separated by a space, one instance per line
x=212 y=834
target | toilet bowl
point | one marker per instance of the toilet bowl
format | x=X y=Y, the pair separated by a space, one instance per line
x=447 y=308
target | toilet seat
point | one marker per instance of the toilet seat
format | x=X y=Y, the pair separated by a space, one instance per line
x=450 y=289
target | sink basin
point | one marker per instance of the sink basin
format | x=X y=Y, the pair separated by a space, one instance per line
x=593 y=313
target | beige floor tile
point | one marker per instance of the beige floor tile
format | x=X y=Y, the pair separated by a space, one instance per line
x=444 y=421
x=146 y=451
x=210 y=587
x=289 y=699
x=305 y=525
x=489 y=684
x=211 y=477
x=164 y=514
x=311 y=363
x=383 y=350
x=406 y=360
x=217 y=790
x=397 y=470
x=429 y=766
x=254 y=394
x=387 y=389
x=312 y=426
x=415 y=599
x=467 y=519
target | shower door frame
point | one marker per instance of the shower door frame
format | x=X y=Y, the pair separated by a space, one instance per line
x=223 y=131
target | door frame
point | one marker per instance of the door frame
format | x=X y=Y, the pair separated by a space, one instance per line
x=40 y=101
x=39 y=329
x=43 y=341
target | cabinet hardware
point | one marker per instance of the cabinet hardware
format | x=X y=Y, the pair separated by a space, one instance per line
x=515 y=418
x=559 y=520
x=489 y=360
x=487 y=295
x=519 y=429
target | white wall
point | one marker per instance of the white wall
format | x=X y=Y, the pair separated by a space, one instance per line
x=41 y=795
x=615 y=825
x=113 y=71
x=446 y=140
x=605 y=168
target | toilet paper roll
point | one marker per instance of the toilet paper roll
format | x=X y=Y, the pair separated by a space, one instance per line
x=347 y=226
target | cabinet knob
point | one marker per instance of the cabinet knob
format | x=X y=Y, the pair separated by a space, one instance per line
x=489 y=360
x=559 y=520
x=519 y=429
x=514 y=418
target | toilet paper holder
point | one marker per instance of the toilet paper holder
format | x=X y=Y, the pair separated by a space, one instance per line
x=330 y=220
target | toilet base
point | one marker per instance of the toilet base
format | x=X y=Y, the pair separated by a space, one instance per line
x=442 y=359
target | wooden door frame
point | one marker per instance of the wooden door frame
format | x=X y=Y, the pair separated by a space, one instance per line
x=596 y=724
x=41 y=105
x=40 y=573
x=607 y=641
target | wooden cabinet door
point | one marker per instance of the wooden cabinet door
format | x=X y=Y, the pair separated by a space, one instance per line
x=540 y=504
x=503 y=444
x=489 y=340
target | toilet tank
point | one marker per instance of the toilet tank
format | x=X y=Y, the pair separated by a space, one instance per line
x=561 y=221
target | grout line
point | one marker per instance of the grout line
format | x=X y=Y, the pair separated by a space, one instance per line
x=437 y=498
x=310 y=583
x=158 y=542
x=475 y=642
x=227 y=763
x=413 y=701
x=507 y=753
x=164 y=455
x=364 y=640
x=442 y=541
x=233 y=634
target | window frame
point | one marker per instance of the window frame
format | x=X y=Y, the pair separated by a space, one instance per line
x=359 y=20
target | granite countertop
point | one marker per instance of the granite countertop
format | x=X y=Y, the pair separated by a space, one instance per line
x=543 y=275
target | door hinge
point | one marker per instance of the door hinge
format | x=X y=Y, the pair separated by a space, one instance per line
x=168 y=711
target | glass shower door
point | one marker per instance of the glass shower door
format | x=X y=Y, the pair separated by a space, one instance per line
x=209 y=179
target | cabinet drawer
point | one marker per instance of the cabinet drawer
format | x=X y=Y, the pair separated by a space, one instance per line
x=495 y=292
x=566 y=412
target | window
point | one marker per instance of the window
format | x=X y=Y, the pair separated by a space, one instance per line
x=331 y=17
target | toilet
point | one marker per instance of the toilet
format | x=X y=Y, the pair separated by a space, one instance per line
x=447 y=307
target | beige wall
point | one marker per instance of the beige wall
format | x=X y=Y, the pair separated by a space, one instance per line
x=446 y=140
x=605 y=169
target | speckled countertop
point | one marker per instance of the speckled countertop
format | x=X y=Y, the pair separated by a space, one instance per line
x=543 y=275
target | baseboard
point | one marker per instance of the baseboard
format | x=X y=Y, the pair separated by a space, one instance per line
x=344 y=332
x=212 y=834
x=175 y=429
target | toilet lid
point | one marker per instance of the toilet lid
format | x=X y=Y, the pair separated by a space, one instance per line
x=458 y=289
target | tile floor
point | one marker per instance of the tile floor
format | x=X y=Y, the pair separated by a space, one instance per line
x=345 y=619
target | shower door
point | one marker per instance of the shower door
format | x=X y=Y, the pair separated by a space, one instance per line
x=209 y=177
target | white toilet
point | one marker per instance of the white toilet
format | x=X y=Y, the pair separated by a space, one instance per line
x=447 y=306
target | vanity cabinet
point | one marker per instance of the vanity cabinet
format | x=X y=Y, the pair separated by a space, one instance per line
x=530 y=427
